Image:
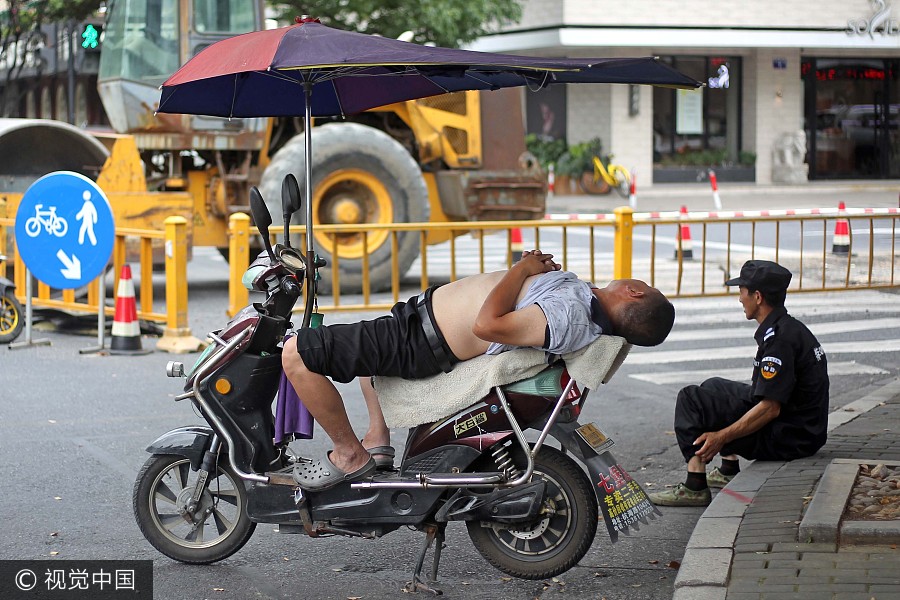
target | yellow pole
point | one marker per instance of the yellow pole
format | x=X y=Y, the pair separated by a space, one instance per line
x=622 y=245
x=238 y=261
x=177 y=337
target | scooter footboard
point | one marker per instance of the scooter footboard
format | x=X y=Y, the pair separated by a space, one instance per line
x=623 y=501
x=190 y=442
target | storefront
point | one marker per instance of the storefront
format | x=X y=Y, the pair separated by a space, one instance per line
x=795 y=92
x=852 y=115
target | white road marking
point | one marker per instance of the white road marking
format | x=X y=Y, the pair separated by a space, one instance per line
x=818 y=329
x=744 y=373
x=705 y=354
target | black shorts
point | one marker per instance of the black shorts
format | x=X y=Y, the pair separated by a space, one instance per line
x=405 y=344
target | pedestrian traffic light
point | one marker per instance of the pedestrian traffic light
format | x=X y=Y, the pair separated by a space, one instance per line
x=90 y=37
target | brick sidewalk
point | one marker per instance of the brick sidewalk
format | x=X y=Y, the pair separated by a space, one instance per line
x=746 y=546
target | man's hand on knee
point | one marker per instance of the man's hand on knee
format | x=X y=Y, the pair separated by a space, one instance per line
x=710 y=444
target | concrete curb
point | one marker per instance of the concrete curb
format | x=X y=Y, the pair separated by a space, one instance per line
x=706 y=566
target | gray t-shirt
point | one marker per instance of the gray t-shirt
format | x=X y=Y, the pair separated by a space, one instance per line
x=566 y=302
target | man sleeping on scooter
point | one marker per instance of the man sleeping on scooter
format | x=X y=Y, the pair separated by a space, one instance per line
x=533 y=304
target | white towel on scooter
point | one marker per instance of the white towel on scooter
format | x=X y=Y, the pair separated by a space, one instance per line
x=407 y=402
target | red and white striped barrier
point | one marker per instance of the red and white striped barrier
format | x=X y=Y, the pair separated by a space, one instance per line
x=715 y=189
x=632 y=193
x=735 y=214
x=551 y=180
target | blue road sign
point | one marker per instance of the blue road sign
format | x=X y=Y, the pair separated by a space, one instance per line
x=64 y=230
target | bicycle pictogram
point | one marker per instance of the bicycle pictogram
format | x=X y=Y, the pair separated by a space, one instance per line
x=52 y=223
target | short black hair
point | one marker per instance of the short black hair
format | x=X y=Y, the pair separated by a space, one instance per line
x=648 y=321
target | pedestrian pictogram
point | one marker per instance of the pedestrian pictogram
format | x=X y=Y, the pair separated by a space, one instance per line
x=90 y=37
x=65 y=230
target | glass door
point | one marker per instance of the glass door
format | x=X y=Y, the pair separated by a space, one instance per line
x=853 y=105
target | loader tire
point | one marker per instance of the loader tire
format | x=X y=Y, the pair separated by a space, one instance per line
x=360 y=175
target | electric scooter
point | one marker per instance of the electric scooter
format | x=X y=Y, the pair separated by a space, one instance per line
x=530 y=510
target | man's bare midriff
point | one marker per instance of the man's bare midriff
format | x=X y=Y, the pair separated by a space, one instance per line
x=456 y=306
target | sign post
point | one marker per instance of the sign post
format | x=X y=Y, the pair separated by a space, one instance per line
x=64 y=234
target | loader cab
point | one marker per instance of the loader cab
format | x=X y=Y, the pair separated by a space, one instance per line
x=145 y=41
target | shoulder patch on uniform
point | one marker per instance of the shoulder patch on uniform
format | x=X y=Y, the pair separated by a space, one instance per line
x=820 y=354
x=769 y=333
x=769 y=367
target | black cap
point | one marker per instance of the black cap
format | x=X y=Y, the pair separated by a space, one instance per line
x=762 y=275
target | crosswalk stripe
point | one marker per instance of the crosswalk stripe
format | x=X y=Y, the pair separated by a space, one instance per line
x=803 y=313
x=744 y=373
x=705 y=354
x=819 y=329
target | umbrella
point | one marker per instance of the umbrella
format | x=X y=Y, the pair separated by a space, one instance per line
x=314 y=70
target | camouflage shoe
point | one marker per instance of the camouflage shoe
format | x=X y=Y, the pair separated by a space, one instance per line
x=717 y=479
x=680 y=495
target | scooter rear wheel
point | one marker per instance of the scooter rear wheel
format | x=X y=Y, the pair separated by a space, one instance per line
x=217 y=528
x=561 y=535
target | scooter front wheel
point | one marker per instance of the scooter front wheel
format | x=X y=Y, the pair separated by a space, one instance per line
x=559 y=537
x=201 y=532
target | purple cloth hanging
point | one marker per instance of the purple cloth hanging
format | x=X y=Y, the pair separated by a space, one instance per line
x=291 y=416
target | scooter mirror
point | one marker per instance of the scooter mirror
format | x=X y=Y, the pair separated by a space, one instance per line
x=262 y=218
x=290 y=202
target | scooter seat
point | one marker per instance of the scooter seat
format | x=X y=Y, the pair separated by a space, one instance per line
x=407 y=403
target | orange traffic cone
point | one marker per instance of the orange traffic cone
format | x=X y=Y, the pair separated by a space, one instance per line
x=684 y=236
x=841 y=242
x=515 y=244
x=126 y=331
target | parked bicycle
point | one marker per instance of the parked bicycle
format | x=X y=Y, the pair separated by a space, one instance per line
x=606 y=176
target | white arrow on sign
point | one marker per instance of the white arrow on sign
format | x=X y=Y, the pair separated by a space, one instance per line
x=72 y=268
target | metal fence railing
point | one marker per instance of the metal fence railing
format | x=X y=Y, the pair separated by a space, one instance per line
x=684 y=255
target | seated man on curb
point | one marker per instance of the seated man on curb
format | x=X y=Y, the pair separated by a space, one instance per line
x=781 y=415
x=533 y=304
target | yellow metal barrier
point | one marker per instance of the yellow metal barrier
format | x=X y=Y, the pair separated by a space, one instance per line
x=177 y=336
x=238 y=258
x=801 y=242
x=641 y=245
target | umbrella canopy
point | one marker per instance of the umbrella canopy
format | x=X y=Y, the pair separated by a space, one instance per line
x=312 y=70
x=262 y=74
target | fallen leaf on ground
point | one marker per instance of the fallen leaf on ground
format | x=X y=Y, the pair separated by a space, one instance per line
x=674 y=564
x=653 y=562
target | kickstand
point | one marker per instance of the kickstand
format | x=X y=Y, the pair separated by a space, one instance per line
x=432 y=533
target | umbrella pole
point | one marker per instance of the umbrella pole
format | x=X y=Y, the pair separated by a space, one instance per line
x=310 y=247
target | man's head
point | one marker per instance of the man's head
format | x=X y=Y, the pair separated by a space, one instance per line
x=770 y=279
x=761 y=281
x=639 y=313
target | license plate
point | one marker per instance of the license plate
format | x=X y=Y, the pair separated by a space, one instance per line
x=594 y=438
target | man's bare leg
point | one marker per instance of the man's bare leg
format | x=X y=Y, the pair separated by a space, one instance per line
x=696 y=465
x=378 y=433
x=326 y=406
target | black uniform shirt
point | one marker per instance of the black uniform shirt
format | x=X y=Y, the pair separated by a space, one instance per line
x=791 y=368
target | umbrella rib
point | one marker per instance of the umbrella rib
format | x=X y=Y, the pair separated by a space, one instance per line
x=233 y=97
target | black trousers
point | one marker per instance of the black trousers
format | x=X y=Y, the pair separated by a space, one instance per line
x=713 y=405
